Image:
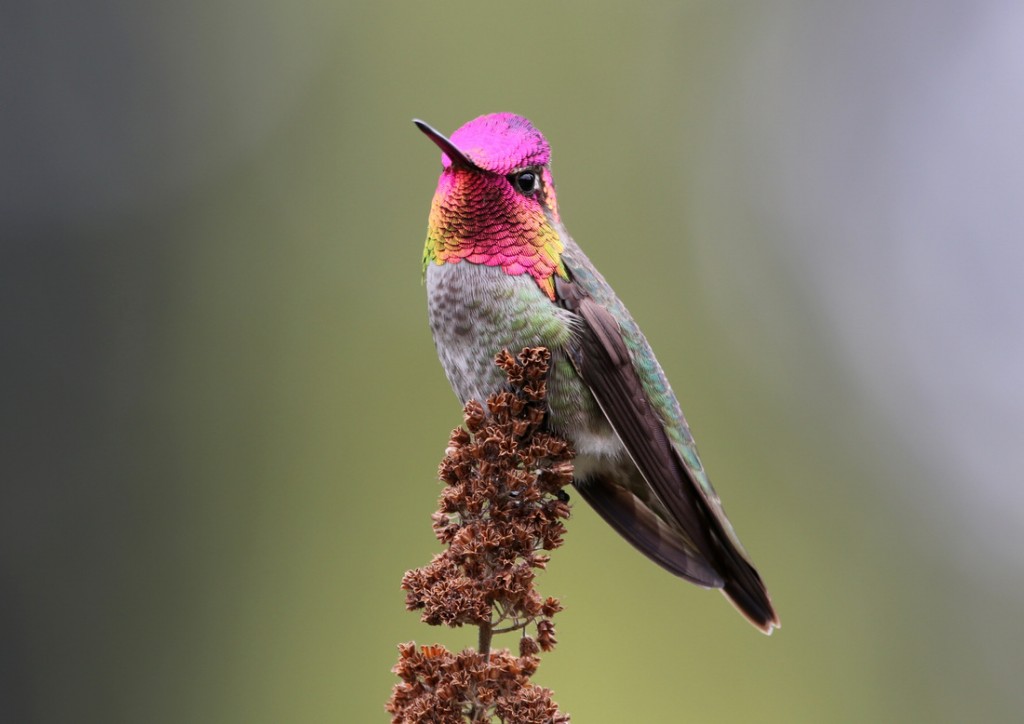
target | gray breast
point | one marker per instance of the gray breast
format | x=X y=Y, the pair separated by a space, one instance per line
x=476 y=311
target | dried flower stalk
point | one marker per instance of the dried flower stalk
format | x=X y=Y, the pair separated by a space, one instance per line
x=502 y=505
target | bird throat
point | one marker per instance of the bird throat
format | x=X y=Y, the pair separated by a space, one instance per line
x=481 y=220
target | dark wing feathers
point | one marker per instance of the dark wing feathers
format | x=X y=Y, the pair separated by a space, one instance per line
x=603 y=361
x=605 y=366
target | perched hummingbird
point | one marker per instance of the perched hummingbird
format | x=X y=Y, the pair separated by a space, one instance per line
x=503 y=273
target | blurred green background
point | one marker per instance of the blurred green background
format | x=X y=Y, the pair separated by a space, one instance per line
x=222 y=409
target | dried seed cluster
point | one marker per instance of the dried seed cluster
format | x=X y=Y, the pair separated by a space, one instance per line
x=447 y=688
x=502 y=505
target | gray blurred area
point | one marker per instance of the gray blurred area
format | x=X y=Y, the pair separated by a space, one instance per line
x=222 y=411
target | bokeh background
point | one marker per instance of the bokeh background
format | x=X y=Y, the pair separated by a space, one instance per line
x=222 y=410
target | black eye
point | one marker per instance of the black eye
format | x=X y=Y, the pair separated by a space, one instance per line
x=526 y=182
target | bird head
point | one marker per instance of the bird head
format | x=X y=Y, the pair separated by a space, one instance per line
x=495 y=201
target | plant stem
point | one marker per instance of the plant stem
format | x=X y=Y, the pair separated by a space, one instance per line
x=484 y=647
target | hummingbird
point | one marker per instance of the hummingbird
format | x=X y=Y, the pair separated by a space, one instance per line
x=501 y=272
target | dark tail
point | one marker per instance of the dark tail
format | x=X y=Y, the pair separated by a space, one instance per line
x=726 y=568
x=746 y=591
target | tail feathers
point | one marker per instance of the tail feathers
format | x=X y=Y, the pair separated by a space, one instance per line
x=647 y=532
x=723 y=567
x=745 y=590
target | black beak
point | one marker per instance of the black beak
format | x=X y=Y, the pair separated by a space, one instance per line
x=457 y=157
